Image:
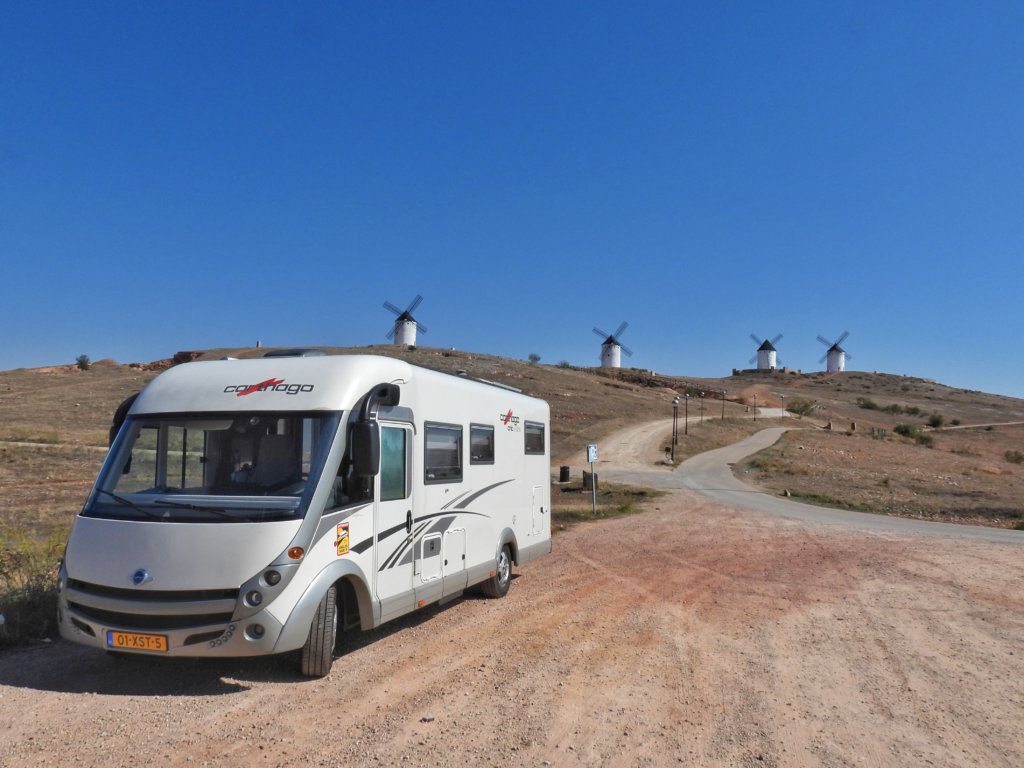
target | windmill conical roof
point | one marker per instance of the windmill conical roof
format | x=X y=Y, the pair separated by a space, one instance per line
x=765 y=347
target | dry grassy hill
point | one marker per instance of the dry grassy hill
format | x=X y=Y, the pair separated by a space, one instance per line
x=53 y=426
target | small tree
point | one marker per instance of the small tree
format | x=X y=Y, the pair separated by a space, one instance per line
x=83 y=362
x=534 y=358
x=936 y=420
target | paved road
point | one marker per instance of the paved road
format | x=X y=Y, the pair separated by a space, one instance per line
x=710 y=474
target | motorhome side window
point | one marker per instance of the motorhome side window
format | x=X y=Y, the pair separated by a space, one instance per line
x=393 y=463
x=481 y=444
x=443 y=460
x=534 y=437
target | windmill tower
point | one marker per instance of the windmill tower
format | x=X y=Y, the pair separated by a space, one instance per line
x=612 y=348
x=766 y=353
x=404 y=329
x=835 y=357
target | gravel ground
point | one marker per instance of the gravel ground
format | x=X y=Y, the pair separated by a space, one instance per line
x=690 y=634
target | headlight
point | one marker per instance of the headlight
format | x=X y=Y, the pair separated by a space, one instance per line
x=254 y=598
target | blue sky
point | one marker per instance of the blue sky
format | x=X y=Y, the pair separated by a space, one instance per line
x=178 y=176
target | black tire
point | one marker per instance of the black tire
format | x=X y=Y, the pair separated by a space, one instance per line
x=497 y=586
x=318 y=652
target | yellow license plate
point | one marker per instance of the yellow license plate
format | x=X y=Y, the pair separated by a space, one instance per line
x=134 y=641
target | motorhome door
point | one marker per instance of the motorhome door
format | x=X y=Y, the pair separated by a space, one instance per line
x=393 y=494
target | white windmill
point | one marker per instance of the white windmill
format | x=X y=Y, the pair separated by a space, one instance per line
x=766 y=353
x=835 y=357
x=405 y=327
x=612 y=348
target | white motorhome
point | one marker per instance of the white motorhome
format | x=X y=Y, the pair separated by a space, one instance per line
x=261 y=506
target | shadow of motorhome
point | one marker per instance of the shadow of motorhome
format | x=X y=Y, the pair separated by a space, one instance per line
x=64 y=667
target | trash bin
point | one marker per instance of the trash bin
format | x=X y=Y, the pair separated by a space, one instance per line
x=563 y=474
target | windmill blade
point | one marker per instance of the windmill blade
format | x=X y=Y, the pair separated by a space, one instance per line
x=822 y=359
x=392 y=308
x=752 y=360
x=621 y=329
x=420 y=326
x=415 y=303
x=849 y=356
x=627 y=350
x=390 y=334
x=824 y=341
x=756 y=340
x=776 y=340
x=601 y=333
x=842 y=338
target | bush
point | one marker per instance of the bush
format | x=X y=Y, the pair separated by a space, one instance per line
x=801 y=407
x=936 y=420
x=28 y=588
x=534 y=358
x=867 y=404
x=912 y=410
x=915 y=434
x=955 y=422
x=893 y=409
x=83 y=362
x=1014 y=457
x=564 y=364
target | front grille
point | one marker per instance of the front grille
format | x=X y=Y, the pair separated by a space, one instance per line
x=144 y=621
x=154 y=595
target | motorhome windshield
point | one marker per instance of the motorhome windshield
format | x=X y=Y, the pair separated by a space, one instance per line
x=237 y=467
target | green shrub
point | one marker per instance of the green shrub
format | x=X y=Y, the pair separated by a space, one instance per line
x=907 y=430
x=867 y=404
x=893 y=408
x=912 y=410
x=925 y=439
x=936 y=420
x=1014 y=457
x=83 y=362
x=534 y=358
x=801 y=407
x=955 y=422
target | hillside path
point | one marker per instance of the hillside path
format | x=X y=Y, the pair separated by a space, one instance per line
x=710 y=474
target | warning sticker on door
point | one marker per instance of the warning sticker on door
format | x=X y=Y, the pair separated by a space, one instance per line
x=341 y=541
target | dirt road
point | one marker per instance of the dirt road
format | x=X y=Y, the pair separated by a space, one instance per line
x=693 y=634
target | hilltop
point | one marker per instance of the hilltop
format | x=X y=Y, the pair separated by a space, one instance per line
x=54 y=420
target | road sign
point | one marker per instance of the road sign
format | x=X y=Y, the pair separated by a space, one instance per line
x=591 y=454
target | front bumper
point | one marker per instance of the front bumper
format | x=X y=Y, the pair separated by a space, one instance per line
x=222 y=639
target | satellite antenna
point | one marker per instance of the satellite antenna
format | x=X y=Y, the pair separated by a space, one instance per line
x=405 y=327
x=835 y=356
x=765 y=357
x=611 y=347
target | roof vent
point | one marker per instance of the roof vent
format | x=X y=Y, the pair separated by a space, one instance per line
x=295 y=353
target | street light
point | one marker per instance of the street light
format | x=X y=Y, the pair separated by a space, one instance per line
x=675 y=426
x=686 y=417
x=702 y=407
x=723 y=405
x=755 y=406
x=783 y=414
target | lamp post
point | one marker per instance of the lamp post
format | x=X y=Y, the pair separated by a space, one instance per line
x=702 y=407
x=723 y=405
x=755 y=406
x=686 y=417
x=783 y=415
x=675 y=426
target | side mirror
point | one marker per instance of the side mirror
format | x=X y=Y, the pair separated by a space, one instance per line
x=365 y=444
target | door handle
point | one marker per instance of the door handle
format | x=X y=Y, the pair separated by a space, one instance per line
x=408 y=521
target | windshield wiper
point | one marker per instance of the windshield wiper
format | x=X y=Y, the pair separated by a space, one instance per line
x=219 y=511
x=128 y=503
